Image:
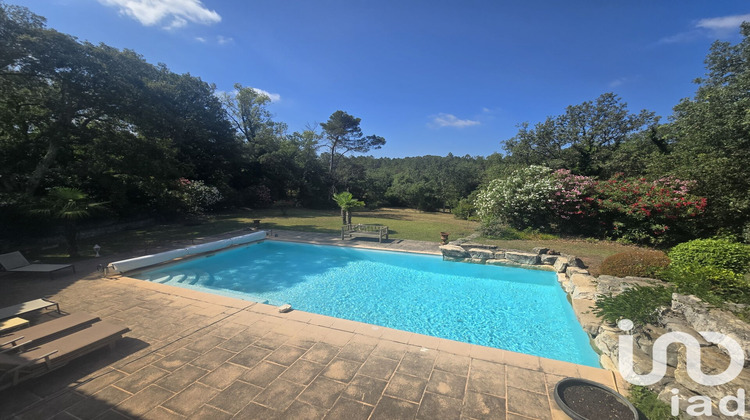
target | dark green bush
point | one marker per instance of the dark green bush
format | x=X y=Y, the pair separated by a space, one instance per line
x=639 y=263
x=465 y=209
x=638 y=304
x=712 y=284
x=718 y=253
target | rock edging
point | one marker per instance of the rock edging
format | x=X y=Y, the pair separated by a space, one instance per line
x=539 y=258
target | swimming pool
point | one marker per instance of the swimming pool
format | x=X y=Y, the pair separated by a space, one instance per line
x=504 y=307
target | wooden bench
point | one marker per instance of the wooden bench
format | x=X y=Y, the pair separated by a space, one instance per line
x=376 y=231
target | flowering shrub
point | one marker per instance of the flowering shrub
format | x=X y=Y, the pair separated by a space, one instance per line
x=642 y=211
x=629 y=209
x=520 y=200
x=195 y=197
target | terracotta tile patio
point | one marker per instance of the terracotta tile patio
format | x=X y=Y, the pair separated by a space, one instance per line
x=196 y=355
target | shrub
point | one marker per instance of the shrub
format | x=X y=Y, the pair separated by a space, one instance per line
x=712 y=284
x=717 y=253
x=638 y=304
x=519 y=200
x=639 y=263
x=649 y=404
x=464 y=209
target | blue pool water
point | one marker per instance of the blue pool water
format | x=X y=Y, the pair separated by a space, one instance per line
x=504 y=307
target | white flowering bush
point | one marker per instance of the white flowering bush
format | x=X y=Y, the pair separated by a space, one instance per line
x=520 y=200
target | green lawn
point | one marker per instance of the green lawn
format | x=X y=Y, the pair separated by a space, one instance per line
x=402 y=224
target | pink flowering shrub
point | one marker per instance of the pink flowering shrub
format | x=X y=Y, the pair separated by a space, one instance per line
x=648 y=212
x=572 y=198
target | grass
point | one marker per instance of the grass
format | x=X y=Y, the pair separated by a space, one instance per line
x=402 y=224
x=592 y=252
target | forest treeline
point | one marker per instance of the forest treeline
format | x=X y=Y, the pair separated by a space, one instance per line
x=150 y=142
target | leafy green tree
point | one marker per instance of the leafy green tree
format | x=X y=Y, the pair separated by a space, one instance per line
x=343 y=135
x=583 y=139
x=68 y=206
x=347 y=202
x=711 y=136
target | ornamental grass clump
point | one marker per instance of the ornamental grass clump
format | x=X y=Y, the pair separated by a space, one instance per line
x=637 y=263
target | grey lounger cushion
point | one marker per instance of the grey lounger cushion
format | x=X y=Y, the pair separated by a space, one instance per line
x=46 y=331
x=26 y=307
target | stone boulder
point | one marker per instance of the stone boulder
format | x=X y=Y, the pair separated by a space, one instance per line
x=713 y=362
x=561 y=264
x=549 y=259
x=703 y=317
x=540 y=250
x=481 y=253
x=584 y=286
x=454 y=251
x=523 y=257
x=499 y=255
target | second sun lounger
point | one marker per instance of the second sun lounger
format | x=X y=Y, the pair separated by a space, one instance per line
x=16 y=262
x=15 y=368
x=26 y=307
x=46 y=331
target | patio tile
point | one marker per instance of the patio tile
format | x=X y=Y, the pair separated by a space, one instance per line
x=455 y=347
x=417 y=364
x=49 y=408
x=321 y=353
x=390 y=350
x=285 y=355
x=356 y=351
x=488 y=353
x=406 y=387
x=272 y=340
x=190 y=399
x=453 y=363
x=488 y=378
x=279 y=394
x=257 y=412
x=213 y=358
x=223 y=376
x=181 y=378
x=176 y=359
x=529 y=404
x=390 y=408
x=139 y=363
x=161 y=413
x=143 y=401
x=250 y=356
x=338 y=338
x=523 y=361
x=263 y=374
x=140 y=379
x=228 y=330
x=396 y=335
x=530 y=380
x=113 y=414
x=483 y=407
x=236 y=396
x=100 y=381
x=447 y=384
x=424 y=341
x=346 y=409
x=63 y=416
x=379 y=367
x=435 y=406
x=204 y=343
x=365 y=389
x=207 y=412
x=341 y=369
x=239 y=342
x=99 y=403
x=302 y=371
x=301 y=411
x=322 y=392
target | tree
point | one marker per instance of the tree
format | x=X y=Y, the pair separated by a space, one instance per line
x=583 y=139
x=710 y=136
x=69 y=206
x=346 y=201
x=343 y=135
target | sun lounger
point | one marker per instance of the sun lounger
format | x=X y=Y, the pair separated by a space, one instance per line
x=37 y=361
x=46 y=331
x=16 y=262
x=26 y=307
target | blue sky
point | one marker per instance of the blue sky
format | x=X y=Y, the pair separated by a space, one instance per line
x=430 y=76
